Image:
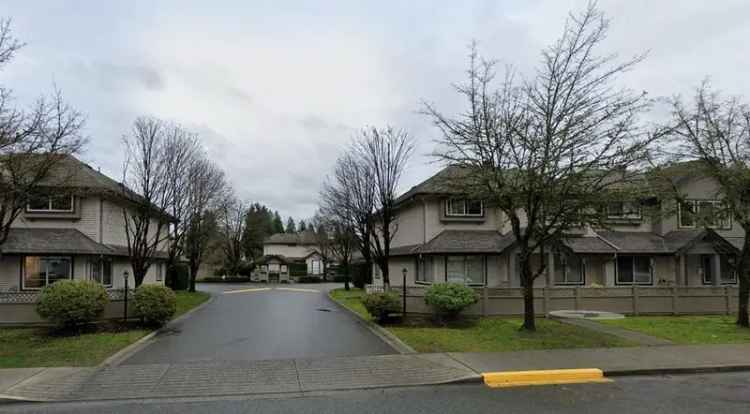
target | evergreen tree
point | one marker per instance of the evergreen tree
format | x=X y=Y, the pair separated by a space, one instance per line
x=302 y=226
x=290 y=226
x=278 y=225
x=259 y=225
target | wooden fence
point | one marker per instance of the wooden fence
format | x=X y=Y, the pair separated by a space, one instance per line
x=625 y=300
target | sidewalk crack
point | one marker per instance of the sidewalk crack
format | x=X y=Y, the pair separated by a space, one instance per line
x=296 y=371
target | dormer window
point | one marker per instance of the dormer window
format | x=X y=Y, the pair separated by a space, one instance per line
x=50 y=204
x=460 y=207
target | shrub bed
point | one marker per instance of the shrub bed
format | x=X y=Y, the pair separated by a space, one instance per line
x=70 y=303
x=154 y=304
x=448 y=299
x=380 y=305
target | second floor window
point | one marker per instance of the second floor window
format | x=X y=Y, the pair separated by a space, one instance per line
x=459 y=207
x=53 y=204
x=709 y=213
x=623 y=210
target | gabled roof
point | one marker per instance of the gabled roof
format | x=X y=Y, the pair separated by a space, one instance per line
x=51 y=241
x=304 y=238
x=589 y=244
x=443 y=182
x=467 y=241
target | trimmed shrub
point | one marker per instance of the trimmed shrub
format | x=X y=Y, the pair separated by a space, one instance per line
x=449 y=299
x=380 y=305
x=154 y=304
x=69 y=303
x=297 y=269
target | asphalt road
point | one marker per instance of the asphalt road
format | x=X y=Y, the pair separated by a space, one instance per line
x=715 y=394
x=269 y=324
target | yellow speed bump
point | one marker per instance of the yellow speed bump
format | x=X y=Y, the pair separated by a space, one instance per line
x=543 y=377
x=246 y=290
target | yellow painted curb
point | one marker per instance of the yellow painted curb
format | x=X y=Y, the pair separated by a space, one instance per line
x=298 y=290
x=543 y=377
x=246 y=290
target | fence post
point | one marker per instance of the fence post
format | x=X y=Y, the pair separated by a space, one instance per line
x=485 y=296
x=674 y=300
x=726 y=300
x=635 y=300
x=576 y=298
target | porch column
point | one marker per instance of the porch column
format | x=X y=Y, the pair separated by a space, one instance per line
x=717 y=270
x=682 y=271
x=513 y=278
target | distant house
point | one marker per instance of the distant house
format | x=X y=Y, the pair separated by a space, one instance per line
x=73 y=231
x=290 y=255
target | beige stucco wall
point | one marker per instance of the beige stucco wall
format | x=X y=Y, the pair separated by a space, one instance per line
x=87 y=220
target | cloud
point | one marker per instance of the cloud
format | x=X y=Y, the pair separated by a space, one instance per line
x=277 y=89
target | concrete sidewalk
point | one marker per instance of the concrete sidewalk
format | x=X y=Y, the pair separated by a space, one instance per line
x=329 y=374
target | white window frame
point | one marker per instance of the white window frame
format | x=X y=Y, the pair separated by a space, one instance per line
x=618 y=282
x=725 y=224
x=711 y=267
x=466 y=268
x=50 y=209
x=46 y=273
x=627 y=213
x=99 y=264
x=566 y=271
x=465 y=202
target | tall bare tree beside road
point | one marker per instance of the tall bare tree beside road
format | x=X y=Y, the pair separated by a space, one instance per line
x=546 y=150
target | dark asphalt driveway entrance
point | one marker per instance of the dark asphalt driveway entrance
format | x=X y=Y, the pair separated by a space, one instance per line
x=285 y=321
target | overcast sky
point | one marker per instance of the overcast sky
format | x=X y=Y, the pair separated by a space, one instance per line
x=277 y=88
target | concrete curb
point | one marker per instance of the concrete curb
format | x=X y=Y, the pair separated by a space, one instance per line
x=392 y=340
x=505 y=379
x=708 y=369
x=122 y=355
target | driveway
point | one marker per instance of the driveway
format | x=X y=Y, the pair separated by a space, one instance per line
x=263 y=322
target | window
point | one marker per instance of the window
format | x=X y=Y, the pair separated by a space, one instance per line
x=623 y=210
x=314 y=267
x=159 y=272
x=273 y=267
x=634 y=270
x=569 y=270
x=728 y=273
x=40 y=271
x=710 y=213
x=425 y=270
x=54 y=203
x=284 y=269
x=465 y=269
x=100 y=270
x=464 y=208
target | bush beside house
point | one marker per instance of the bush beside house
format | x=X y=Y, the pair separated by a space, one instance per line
x=448 y=299
x=380 y=305
x=154 y=304
x=71 y=303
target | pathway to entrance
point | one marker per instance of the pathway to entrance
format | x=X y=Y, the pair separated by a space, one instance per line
x=257 y=322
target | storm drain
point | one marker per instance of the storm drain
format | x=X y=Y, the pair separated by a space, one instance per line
x=323 y=309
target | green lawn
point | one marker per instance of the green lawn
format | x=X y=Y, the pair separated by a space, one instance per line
x=38 y=347
x=485 y=334
x=189 y=300
x=687 y=329
x=500 y=335
x=351 y=299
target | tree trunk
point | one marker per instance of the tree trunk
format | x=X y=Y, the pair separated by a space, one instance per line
x=529 y=322
x=193 y=274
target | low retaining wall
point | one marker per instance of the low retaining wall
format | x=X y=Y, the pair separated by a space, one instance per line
x=624 y=300
x=19 y=308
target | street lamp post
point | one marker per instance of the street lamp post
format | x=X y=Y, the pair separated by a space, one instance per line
x=126 y=276
x=403 y=293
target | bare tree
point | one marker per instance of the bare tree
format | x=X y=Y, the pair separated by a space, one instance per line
x=34 y=142
x=349 y=196
x=341 y=241
x=207 y=186
x=547 y=150
x=383 y=153
x=148 y=171
x=231 y=218
x=716 y=132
